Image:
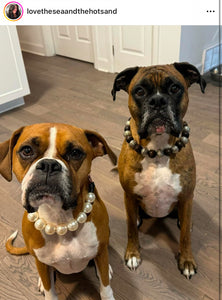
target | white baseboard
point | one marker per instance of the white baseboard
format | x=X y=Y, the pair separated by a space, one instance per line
x=33 y=48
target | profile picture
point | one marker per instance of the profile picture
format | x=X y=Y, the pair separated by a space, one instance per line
x=13 y=11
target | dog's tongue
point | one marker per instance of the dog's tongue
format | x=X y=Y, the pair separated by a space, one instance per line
x=160 y=129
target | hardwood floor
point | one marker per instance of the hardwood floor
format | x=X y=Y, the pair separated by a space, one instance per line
x=69 y=91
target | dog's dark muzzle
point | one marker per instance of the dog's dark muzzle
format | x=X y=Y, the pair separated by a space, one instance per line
x=49 y=185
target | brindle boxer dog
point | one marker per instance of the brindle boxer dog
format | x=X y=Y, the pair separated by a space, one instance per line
x=156 y=164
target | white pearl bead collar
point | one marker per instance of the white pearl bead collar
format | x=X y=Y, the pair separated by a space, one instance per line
x=61 y=229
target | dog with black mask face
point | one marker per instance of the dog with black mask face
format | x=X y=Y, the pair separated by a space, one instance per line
x=156 y=164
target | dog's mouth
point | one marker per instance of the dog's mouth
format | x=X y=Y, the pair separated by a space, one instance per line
x=158 y=127
x=50 y=195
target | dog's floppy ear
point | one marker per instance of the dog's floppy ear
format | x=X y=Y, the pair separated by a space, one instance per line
x=6 y=149
x=100 y=146
x=191 y=74
x=122 y=80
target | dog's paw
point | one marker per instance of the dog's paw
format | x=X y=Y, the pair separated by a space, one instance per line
x=188 y=267
x=110 y=272
x=133 y=263
x=40 y=286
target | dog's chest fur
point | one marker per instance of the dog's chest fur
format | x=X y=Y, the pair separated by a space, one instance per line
x=157 y=186
x=72 y=252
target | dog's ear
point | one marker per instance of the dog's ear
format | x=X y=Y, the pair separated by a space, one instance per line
x=122 y=80
x=191 y=74
x=6 y=149
x=100 y=146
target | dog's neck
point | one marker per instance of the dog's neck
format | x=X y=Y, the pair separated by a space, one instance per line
x=163 y=143
x=57 y=215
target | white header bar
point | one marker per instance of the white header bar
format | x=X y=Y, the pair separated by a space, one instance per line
x=111 y=12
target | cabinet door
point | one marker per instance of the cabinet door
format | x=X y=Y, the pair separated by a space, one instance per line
x=74 y=42
x=14 y=84
x=132 y=46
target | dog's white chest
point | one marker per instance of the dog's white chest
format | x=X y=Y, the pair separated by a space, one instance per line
x=72 y=252
x=157 y=186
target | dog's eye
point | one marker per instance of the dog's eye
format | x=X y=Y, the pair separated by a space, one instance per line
x=139 y=92
x=76 y=154
x=174 y=89
x=26 y=152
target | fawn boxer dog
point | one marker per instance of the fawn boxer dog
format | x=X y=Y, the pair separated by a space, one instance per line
x=65 y=224
x=156 y=164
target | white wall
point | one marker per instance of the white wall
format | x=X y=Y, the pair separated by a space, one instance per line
x=194 y=39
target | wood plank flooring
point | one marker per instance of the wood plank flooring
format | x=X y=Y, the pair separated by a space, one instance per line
x=69 y=91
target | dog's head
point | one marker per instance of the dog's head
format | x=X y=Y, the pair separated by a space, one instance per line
x=51 y=161
x=158 y=96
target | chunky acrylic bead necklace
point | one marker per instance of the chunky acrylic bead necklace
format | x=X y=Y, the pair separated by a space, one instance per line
x=73 y=224
x=180 y=143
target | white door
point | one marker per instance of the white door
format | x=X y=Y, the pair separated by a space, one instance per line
x=132 y=46
x=14 y=84
x=74 y=42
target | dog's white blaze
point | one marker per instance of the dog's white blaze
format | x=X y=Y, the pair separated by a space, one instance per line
x=156 y=184
x=51 y=151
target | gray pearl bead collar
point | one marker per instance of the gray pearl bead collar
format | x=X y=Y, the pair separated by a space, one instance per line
x=180 y=143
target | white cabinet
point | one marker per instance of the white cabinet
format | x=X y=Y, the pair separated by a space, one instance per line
x=13 y=80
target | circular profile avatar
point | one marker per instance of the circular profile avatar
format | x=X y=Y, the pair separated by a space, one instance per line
x=13 y=11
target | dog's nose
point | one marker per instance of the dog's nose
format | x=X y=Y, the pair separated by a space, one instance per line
x=50 y=166
x=157 y=101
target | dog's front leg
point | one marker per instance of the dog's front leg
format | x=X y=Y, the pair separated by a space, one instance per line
x=186 y=262
x=46 y=281
x=132 y=255
x=104 y=272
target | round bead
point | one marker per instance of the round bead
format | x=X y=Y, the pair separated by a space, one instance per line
x=87 y=208
x=175 y=149
x=132 y=143
x=186 y=128
x=73 y=225
x=186 y=134
x=127 y=127
x=144 y=151
x=39 y=224
x=32 y=217
x=49 y=229
x=159 y=153
x=61 y=229
x=127 y=133
x=152 y=153
x=179 y=144
x=127 y=122
x=167 y=151
x=138 y=148
x=82 y=217
x=184 y=140
x=129 y=138
x=91 y=197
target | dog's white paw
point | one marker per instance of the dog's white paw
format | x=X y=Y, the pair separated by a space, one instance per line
x=188 y=273
x=110 y=272
x=133 y=263
x=40 y=286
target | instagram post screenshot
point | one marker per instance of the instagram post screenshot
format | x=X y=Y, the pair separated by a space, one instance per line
x=110 y=140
